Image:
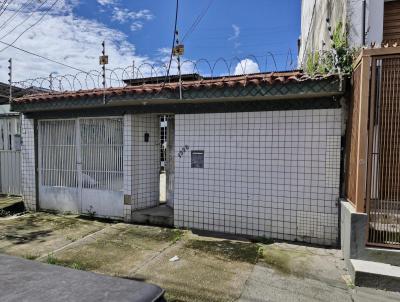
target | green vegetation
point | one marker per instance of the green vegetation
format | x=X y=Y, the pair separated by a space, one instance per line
x=51 y=259
x=338 y=59
x=286 y=261
x=227 y=250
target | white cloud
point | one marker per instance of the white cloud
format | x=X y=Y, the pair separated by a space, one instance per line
x=65 y=38
x=246 y=66
x=106 y=2
x=123 y=15
x=137 y=25
x=236 y=32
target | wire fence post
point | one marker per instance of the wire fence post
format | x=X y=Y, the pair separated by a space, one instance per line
x=103 y=60
x=10 y=79
x=178 y=51
x=51 y=81
x=133 y=69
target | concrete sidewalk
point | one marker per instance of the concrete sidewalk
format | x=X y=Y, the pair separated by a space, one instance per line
x=26 y=280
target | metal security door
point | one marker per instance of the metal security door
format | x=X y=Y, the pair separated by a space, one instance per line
x=10 y=155
x=58 y=173
x=383 y=181
x=101 y=155
x=80 y=166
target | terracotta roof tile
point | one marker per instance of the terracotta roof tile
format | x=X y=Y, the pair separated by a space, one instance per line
x=227 y=81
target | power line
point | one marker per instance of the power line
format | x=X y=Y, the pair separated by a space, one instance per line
x=25 y=4
x=4 y=6
x=42 y=57
x=23 y=21
x=197 y=21
x=39 y=20
x=173 y=39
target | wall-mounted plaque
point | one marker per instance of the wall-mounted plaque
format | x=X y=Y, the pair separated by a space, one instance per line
x=197 y=159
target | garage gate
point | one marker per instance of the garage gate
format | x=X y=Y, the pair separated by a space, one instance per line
x=81 y=166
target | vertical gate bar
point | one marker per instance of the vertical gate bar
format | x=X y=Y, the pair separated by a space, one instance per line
x=370 y=145
x=383 y=150
x=388 y=135
x=396 y=152
x=78 y=159
x=387 y=157
x=57 y=154
x=393 y=152
x=63 y=153
x=390 y=172
x=395 y=158
x=396 y=235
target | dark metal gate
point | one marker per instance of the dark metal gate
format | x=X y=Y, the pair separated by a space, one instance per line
x=383 y=177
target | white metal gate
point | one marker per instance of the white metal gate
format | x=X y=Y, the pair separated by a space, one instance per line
x=10 y=155
x=80 y=164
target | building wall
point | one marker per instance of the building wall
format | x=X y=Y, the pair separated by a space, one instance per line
x=28 y=163
x=314 y=28
x=145 y=161
x=270 y=174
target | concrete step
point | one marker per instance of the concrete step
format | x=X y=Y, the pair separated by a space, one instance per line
x=159 y=216
x=375 y=274
x=389 y=256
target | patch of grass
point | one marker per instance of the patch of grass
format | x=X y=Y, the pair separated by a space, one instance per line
x=227 y=250
x=154 y=233
x=277 y=259
x=119 y=249
x=30 y=256
x=51 y=259
x=262 y=240
x=285 y=261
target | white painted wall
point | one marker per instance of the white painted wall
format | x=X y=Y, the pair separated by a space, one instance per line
x=271 y=174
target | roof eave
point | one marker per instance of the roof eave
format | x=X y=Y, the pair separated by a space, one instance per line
x=289 y=91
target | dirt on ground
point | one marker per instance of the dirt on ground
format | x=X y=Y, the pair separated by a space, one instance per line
x=117 y=250
x=205 y=268
x=35 y=235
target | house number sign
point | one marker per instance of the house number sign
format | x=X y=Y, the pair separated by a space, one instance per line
x=183 y=150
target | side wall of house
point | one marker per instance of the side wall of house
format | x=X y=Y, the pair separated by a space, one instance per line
x=314 y=28
x=28 y=163
x=146 y=161
x=271 y=174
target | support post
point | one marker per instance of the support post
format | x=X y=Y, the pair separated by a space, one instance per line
x=10 y=79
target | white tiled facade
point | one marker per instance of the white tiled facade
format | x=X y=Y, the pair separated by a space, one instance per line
x=28 y=163
x=271 y=174
x=127 y=154
x=145 y=165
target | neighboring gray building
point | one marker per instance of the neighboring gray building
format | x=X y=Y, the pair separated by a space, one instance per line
x=368 y=21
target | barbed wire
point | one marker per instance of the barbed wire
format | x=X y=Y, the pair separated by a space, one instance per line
x=140 y=74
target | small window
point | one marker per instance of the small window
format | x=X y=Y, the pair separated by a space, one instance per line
x=197 y=159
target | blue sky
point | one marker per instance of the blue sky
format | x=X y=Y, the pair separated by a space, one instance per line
x=141 y=30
